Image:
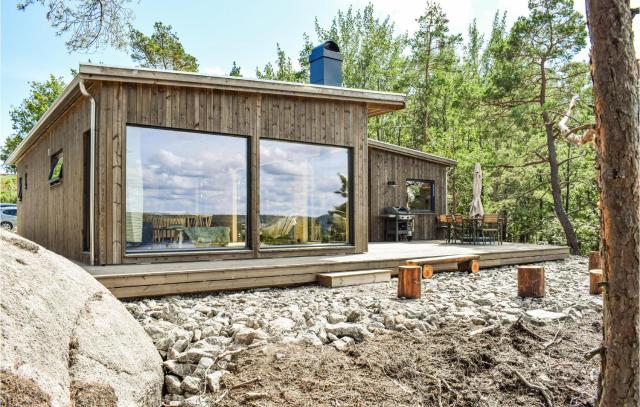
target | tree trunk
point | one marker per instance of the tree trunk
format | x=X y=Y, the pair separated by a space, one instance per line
x=615 y=85
x=556 y=189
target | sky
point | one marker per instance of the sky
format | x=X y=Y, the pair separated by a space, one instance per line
x=215 y=32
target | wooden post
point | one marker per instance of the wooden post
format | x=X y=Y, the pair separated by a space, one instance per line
x=594 y=261
x=427 y=271
x=472 y=266
x=530 y=281
x=595 y=278
x=409 y=284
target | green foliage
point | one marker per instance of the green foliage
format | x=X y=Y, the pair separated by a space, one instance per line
x=475 y=101
x=91 y=24
x=8 y=188
x=162 y=50
x=24 y=117
x=235 y=70
x=282 y=70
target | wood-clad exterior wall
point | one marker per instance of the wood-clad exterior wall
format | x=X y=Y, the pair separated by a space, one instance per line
x=53 y=215
x=385 y=166
x=253 y=115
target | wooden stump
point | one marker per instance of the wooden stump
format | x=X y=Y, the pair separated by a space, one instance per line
x=409 y=284
x=472 y=266
x=594 y=261
x=530 y=281
x=427 y=271
x=595 y=278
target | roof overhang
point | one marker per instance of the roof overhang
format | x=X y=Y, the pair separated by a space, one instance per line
x=377 y=102
x=411 y=153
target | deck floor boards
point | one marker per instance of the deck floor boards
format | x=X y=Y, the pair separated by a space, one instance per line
x=134 y=280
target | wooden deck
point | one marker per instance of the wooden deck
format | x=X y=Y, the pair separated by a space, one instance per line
x=141 y=280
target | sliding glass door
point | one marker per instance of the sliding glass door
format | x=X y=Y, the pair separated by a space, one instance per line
x=185 y=190
x=304 y=194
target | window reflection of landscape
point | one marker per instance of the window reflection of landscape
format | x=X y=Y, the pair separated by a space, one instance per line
x=185 y=190
x=304 y=194
x=420 y=195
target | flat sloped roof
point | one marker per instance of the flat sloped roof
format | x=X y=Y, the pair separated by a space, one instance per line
x=411 y=153
x=377 y=102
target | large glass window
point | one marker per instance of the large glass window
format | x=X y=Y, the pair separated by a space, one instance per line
x=421 y=195
x=304 y=194
x=185 y=190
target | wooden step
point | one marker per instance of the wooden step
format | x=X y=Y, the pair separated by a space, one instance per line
x=341 y=279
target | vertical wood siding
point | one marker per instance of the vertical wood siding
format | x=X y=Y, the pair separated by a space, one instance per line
x=248 y=114
x=52 y=215
x=386 y=166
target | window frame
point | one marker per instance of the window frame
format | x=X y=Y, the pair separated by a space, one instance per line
x=350 y=203
x=129 y=252
x=433 y=194
x=54 y=159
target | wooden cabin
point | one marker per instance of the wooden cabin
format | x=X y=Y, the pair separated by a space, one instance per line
x=133 y=165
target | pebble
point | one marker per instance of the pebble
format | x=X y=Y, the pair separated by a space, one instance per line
x=191 y=332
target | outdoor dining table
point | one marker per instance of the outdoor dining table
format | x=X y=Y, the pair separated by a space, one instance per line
x=470 y=228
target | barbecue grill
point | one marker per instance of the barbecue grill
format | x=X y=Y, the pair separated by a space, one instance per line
x=398 y=223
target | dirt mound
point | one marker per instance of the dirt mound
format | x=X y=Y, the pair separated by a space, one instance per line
x=448 y=367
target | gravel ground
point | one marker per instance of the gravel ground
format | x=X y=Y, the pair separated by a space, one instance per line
x=473 y=332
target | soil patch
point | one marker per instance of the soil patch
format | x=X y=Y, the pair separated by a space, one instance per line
x=445 y=368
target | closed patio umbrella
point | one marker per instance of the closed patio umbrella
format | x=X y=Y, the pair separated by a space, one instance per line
x=476 y=210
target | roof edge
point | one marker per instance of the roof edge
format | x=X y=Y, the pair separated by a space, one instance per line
x=396 y=101
x=60 y=102
x=411 y=152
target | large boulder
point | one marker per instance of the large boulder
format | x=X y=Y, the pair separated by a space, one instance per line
x=67 y=338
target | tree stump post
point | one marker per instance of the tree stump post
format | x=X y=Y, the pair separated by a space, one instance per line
x=427 y=271
x=595 y=278
x=409 y=283
x=471 y=266
x=530 y=281
x=594 y=261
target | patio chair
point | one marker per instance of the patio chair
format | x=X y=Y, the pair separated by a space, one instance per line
x=491 y=227
x=445 y=222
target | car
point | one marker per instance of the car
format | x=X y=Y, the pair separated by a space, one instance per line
x=8 y=216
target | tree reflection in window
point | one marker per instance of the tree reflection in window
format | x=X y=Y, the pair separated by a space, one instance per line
x=304 y=193
x=420 y=195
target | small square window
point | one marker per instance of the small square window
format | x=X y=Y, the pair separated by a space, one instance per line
x=57 y=166
x=421 y=195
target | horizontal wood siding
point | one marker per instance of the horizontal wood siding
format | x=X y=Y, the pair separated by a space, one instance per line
x=53 y=215
x=385 y=166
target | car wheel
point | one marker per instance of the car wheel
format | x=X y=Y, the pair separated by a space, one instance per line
x=6 y=225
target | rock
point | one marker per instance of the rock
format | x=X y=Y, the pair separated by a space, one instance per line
x=179 y=369
x=213 y=380
x=310 y=338
x=487 y=299
x=191 y=384
x=180 y=345
x=543 y=314
x=61 y=327
x=246 y=336
x=354 y=316
x=173 y=384
x=281 y=325
x=197 y=335
x=199 y=350
x=339 y=344
x=196 y=401
x=204 y=366
x=356 y=331
x=335 y=318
